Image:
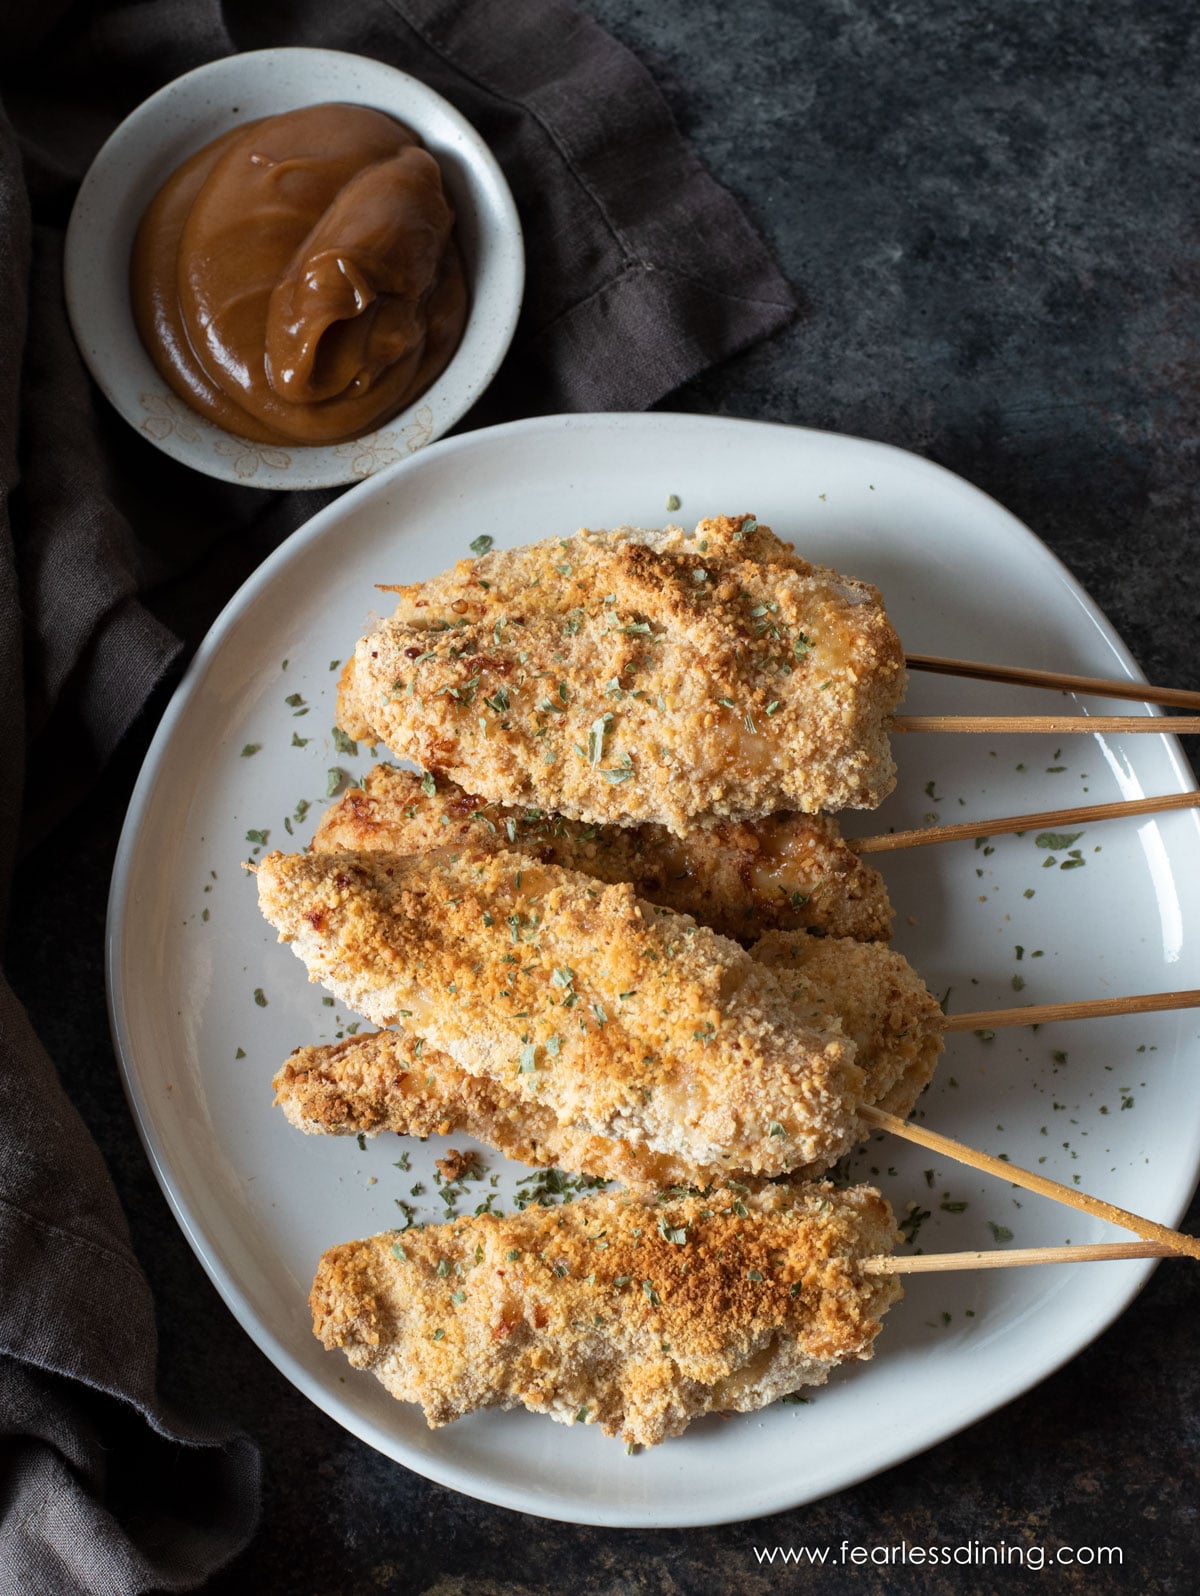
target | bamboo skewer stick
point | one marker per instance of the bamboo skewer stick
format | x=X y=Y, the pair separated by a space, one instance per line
x=1086 y=1009
x=1148 y=1229
x=1103 y=687
x=1060 y=725
x=926 y=1263
x=1043 y=819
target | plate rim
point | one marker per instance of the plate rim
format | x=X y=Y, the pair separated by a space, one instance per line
x=452 y=1475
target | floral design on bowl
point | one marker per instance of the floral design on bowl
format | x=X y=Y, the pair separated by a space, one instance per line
x=379 y=449
x=166 y=414
x=247 y=456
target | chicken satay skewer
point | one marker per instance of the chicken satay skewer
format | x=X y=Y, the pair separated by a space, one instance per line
x=969 y=830
x=637 y=1315
x=628 y=1021
x=390 y=1081
x=762 y=682
x=988 y=1163
x=1060 y=725
x=733 y=630
x=713 y=1066
x=1022 y=676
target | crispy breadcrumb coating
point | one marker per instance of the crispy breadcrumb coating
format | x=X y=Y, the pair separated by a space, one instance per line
x=638 y=675
x=623 y=1020
x=637 y=1316
x=787 y=872
x=391 y=1081
x=879 y=1000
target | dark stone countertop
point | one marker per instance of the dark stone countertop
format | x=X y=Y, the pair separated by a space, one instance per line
x=989 y=212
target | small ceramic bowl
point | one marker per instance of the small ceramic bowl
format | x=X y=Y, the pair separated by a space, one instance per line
x=196 y=108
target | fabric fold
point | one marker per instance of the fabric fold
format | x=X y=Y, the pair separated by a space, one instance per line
x=100 y=1475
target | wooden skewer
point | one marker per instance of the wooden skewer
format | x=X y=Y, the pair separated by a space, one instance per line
x=1060 y=725
x=961 y=831
x=1147 y=1229
x=1087 y=1009
x=937 y=1262
x=1103 y=687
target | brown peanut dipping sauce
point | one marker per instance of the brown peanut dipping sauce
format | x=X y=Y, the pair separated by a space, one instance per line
x=297 y=280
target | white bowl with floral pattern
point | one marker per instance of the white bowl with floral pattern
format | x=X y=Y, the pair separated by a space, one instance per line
x=199 y=107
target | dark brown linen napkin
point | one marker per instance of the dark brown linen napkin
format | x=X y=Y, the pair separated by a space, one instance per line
x=641 y=272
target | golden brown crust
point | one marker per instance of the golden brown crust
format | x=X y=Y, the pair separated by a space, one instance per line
x=786 y=872
x=621 y=1019
x=880 y=1002
x=637 y=1316
x=351 y=718
x=634 y=676
x=391 y=1081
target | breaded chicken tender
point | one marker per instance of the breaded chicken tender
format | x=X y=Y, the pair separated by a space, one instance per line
x=639 y=676
x=391 y=1081
x=785 y=872
x=880 y=1002
x=636 y=1316
x=621 y=1019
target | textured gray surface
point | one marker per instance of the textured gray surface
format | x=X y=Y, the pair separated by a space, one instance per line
x=989 y=211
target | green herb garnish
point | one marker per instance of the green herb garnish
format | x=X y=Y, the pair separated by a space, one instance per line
x=1058 y=840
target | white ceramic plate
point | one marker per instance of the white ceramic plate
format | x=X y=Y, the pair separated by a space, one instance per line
x=259 y=1201
x=199 y=107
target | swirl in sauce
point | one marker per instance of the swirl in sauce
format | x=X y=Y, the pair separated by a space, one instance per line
x=297 y=280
